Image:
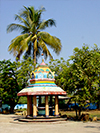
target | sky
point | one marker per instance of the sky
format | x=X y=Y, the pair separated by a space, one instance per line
x=77 y=23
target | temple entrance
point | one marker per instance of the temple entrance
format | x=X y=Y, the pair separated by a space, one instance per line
x=46 y=106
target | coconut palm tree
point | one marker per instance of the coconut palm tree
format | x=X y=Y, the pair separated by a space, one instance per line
x=32 y=39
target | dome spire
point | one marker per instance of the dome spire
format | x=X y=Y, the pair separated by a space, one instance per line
x=42 y=60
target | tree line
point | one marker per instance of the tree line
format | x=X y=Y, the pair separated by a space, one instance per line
x=79 y=76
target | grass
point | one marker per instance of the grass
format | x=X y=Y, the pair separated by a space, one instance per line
x=72 y=114
x=92 y=113
x=20 y=110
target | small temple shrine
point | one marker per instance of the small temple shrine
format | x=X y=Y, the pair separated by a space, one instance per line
x=42 y=83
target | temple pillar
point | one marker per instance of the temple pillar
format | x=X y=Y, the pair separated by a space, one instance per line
x=29 y=105
x=46 y=107
x=34 y=107
x=56 y=106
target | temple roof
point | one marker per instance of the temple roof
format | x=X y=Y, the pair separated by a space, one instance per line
x=42 y=82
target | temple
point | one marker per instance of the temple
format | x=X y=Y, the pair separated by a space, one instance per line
x=42 y=83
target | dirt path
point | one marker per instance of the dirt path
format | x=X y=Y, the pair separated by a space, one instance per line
x=9 y=124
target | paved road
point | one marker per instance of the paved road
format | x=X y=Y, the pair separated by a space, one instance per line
x=9 y=124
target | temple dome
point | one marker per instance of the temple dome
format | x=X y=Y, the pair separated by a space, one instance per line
x=42 y=82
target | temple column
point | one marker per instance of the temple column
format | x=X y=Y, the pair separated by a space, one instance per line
x=46 y=107
x=56 y=106
x=34 y=107
x=29 y=105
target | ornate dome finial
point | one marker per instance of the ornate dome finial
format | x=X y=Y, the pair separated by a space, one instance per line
x=42 y=60
x=42 y=57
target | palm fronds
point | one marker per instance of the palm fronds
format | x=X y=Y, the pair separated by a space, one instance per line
x=51 y=41
x=32 y=38
x=13 y=26
x=47 y=23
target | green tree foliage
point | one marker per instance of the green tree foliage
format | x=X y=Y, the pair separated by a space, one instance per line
x=13 y=77
x=80 y=75
x=84 y=75
x=8 y=83
x=24 y=69
x=22 y=100
x=32 y=39
x=59 y=67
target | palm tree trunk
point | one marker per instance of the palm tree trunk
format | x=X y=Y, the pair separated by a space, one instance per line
x=34 y=53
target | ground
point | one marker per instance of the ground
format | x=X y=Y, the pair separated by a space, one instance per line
x=9 y=124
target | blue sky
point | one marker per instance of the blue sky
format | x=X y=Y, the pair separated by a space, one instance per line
x=77 y=22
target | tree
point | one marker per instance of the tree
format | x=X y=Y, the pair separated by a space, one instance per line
x=32 y=39
x=81 y=77
x=84 y=75
x=14 y=77
x=8 y=84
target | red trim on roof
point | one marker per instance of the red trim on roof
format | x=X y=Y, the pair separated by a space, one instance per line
x=41 y=93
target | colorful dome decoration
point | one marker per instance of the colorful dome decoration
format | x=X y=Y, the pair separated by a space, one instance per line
x=42 y=82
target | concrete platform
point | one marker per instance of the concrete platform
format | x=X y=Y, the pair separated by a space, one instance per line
x=42 y=119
